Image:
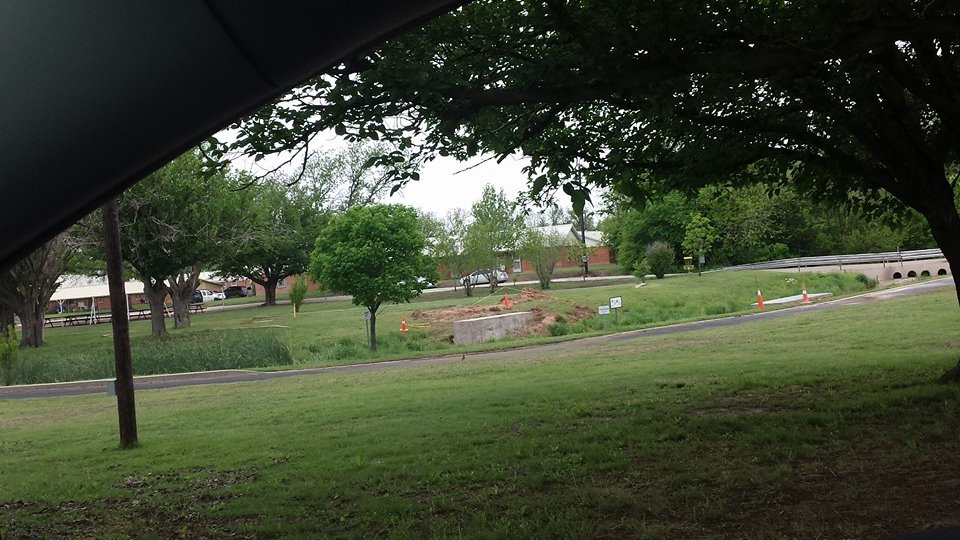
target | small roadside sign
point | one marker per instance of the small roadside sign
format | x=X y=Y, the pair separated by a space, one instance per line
x=366 y=314
x=603 y=310
x=616 y=302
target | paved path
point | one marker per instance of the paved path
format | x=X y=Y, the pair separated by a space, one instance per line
x=217 y=377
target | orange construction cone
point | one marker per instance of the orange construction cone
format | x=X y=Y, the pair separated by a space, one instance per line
x=403 y=324
x=806 y=297
x=506 y=301
x=759 y=300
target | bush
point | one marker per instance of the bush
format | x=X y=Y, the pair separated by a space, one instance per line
x=558 y=329
x=641 y=269
x=298 y=291
x=659 y=257
x=868 y=283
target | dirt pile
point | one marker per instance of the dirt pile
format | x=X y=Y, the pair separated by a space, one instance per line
x=442 y=319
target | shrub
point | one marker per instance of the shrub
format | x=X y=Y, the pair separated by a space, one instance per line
x=558 y=329
x=868 y=283
x=659 y=256
x=298 y=291
x=9 y=345
x=641 y=269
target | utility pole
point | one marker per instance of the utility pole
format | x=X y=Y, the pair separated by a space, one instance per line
x=126 y=406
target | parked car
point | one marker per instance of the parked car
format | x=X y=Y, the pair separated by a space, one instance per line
x=203 y=295
x=424 y=283
x=236 y=291
x=480 y=277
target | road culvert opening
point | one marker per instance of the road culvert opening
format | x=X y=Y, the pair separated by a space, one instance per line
x=942 y=272
x=897 y=275
x=911 y=274
x=925 y=273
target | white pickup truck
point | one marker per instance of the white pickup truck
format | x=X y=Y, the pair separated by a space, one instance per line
x=207 y=296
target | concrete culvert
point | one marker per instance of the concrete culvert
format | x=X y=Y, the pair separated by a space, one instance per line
x=925 y=273
x=897 y=275
x=911 y=274
x=942 y=272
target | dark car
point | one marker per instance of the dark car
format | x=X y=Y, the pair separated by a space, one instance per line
x=236 y=291
x=196 y=298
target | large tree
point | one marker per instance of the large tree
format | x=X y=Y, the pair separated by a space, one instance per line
x=282 y=225
x=375 y=254
x=174 y=223
x=26 y=287
x=850 y=100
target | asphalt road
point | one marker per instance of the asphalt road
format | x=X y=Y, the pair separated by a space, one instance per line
x=218 y=377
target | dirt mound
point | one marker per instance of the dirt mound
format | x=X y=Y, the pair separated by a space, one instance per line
x=441 y=320
x=528 y=295
x=457 y=313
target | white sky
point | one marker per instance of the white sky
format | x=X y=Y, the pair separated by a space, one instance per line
x=444 y=184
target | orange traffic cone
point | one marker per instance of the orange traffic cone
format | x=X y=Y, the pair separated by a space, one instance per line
x=403 y=324
x=806 y=297
x=506 y=301
x=759 y=300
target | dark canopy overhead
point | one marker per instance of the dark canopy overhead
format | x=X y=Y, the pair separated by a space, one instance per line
x=96 y=95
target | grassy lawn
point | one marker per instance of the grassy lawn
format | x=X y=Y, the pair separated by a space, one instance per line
x=332 y=332
x=821 y=425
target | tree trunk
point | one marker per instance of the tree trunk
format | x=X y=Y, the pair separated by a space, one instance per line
x=270 y=291
x=31 y=321
x=945 y=226
x=182 y=286
x=156 y=292
x=181 y=307
x=373 y=330
x=6 y=317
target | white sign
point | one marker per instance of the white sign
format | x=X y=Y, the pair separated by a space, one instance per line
x=603 y=310
x=616 y=302
x=366 y=314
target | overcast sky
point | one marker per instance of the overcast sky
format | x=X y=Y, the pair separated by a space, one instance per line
x=444 y=184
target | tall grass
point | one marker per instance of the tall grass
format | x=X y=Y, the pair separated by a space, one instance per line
x=199 y=351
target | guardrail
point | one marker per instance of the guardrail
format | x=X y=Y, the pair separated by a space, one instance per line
x=829 y=260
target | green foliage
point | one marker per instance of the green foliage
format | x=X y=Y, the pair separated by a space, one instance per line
x=282 y=223
x=868 y=282
x=375 y=254
x=297 y=292
x=660 y=258
x=198 y=351
x=496 y=230
x=642 y=100
x=544 y=250
x=699 y=237
x=449 y=246
x=641 y=268
x=9 y=345
x=177 y=217
x=558 y=328
x=750 y=224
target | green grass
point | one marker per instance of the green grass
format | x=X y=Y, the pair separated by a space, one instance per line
x=824 y=425
x=331 y=332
